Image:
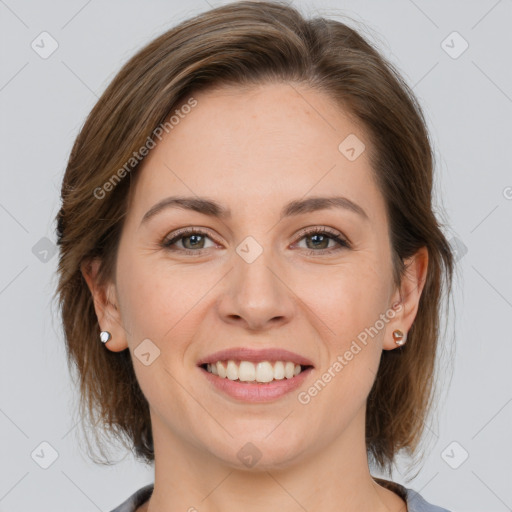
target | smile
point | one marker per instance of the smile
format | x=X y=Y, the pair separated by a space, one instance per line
x=261 y=372
x=250 y=374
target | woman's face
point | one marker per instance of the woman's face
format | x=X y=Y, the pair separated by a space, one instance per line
x=253 y=279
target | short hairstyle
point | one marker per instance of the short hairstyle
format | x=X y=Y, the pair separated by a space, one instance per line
x=249 y=43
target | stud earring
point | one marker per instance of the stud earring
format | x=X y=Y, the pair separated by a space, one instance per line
x=399 y=337
x=105 y=336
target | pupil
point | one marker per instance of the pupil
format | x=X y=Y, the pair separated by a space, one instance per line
x=318 y=236
x=193 y=237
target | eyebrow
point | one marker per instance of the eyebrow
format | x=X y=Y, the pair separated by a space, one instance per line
x=214 y=209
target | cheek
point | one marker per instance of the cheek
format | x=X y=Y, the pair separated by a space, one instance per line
x=350 y=308
x=348 y=298
x=157 y=303
x=351 y=304
x=158 y=297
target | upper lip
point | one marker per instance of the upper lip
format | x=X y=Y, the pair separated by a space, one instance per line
x=255 y=356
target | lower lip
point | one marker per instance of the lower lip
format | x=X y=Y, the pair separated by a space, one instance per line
x=254 y=392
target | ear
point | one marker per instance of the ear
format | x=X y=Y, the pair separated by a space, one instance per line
x=105 y=305
x=406 y=299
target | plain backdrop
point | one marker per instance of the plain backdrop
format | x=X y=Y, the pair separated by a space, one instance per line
x=457 y=57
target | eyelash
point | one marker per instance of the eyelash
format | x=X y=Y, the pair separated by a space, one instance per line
x=332 y=235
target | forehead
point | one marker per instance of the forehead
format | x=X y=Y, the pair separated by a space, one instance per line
x=258 y=145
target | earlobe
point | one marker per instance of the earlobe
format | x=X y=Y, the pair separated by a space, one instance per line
x=406 y=299
x=105 y=306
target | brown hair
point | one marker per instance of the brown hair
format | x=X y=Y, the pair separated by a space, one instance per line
x=248 y=43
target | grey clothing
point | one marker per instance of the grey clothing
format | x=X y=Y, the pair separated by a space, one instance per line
x=415 y=503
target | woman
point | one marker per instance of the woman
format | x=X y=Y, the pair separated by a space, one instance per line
x=248 y=210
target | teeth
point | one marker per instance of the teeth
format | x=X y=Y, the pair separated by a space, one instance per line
x=232 y=370
x=247 y=371
x=264 y=371
x=220 y=370
x=288 y=370
x=279 y=370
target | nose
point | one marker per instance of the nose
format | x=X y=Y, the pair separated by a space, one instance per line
x=256 y=295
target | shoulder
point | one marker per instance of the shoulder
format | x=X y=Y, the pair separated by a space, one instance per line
x=415 y=502
x=135 y=500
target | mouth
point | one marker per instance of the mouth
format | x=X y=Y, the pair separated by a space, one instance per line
x=255 y=375
x=249 y=372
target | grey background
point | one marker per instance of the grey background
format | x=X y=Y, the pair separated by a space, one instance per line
x=44 y=102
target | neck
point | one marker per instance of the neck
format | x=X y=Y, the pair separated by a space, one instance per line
x=335 y=477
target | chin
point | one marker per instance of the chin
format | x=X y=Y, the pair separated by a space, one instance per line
x=260 y=454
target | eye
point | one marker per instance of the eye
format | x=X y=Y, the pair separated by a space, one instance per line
x=320 y=239
x=192 y=240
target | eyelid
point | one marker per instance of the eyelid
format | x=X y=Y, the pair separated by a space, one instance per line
x=176 y=235
x=342 y=241
x=316 y=228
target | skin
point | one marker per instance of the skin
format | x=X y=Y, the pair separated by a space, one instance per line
x=253 y=150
